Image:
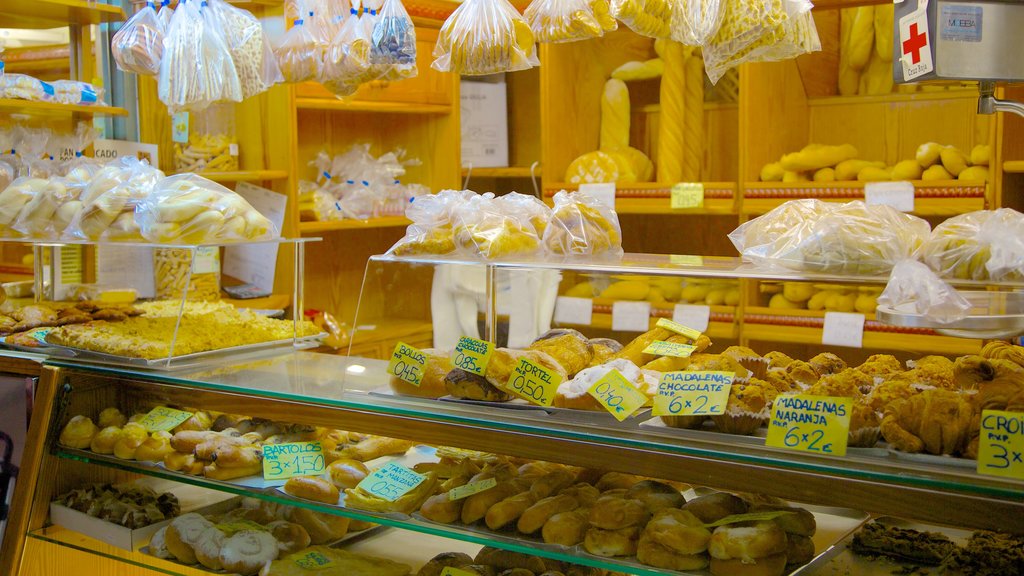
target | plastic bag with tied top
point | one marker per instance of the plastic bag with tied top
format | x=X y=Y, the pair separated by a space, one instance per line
x=582 y=226
x=697 y=21
x=569 y=20
x=393 y=42
x=250 y=49
x=649 y=18
x=27 y=206
x=298 y=54
x=913 y=284
x=982 y=245
x=346 y=61
x=760 y=31
x=489 y=229
x=196 y=69
x=432 y=221
x=139 y=45
x=106 y=207
x=485 y=37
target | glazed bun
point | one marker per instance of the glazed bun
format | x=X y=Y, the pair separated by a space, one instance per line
x=747 y=542
x=612 y=513
x=679 y=531
x=347 y=473
x=714 y=507
x=654 y=554
x=609 y=543
x=656 y=495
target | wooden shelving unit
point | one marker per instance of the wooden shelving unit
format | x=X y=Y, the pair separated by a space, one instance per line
x=311 y=228
x=10 y=106
x=503 y=172
x=246 y=175
x=931 y=198
x=363 y=106
x=54 y=13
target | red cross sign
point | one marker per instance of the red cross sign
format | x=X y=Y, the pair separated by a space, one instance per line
x=915 y=43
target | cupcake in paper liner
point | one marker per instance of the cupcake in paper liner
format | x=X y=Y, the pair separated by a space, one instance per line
x=827 y=363
x=865 y=425
x=748 y=408
x=687 y=422
x=778 y=360
x=752 y=361
x=802 y=373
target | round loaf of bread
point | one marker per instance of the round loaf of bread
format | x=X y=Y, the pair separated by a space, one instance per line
x=656 y=495
x=432 y=384
x=183 y=534
x=438 y=563
x=566 y=528
x=748 y=542
x=312 y=488
x=347 y=473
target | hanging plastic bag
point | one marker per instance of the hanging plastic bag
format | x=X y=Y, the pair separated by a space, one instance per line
x=431 y=228
x=139 y=45
x=914 y=287
x=335 y=12
x=485 y=37
x=649 y=18
x=393 y=42
x=251 y=53
x=8 y=158
x=582 y=226
x=298 y=54
x=165 y=14
x=695 y=22
x=982 y=245
x=32 y=160
x=196 y=69
x=564 y=20
x=106 y=208
x=347 y=61
x=191 y=209
x=760 y=31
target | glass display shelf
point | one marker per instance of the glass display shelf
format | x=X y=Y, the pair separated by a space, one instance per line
x=352 y=393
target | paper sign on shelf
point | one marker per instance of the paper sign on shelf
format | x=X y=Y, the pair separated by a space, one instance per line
x=817 y=424
x=282 y=461
x=391 y=481
x=603 y=192
x=675 y=349
x=107 y=150
x=692 y=315
x=899 y=195
x=472 y=355
x=575 y=311
x=467 y=490
x=534 y=382
x=1001 y=444
x=126 y=266
x=618 y=395
x=631 y=316
x=313 y=560
x=179 y=127
x=678 y=328
x=693 y=393
x=687 y=195
x=407 y=363
x=843 y=329
x=256 y=264
x=162 y=419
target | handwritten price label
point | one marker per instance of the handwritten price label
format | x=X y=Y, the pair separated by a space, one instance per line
x=617 y=395
x=162 y=419
x=662 y=348
x=472 y=355
x=817 y=424
x=467 y=490
x=687 y=195
x=534 y=382
x=1001 y=444
x=313 y=560
x=281 y=461
x=678 y=328
x=391 y=481
x=693 y=393
x=407 y=363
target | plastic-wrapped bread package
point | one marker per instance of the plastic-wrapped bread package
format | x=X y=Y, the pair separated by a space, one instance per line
x=75 y=165
x=25 y=87
x=567 y=20
x=913 y=284
x=486 y=228
x=190 y=209
x=650 y=18
x=106 y=208
x=697 y=21
x=32 y=158
x=582 y=226
x=77 y=93
x=393 y=42
x=28 y=204
x=8 y=157
x=139 y=45
x=760 y=31
x=485 y=37
x=431 y=228
x=165 y=14
x=196 y=69
x=250 y=48
x=982 y=245
x=347 y=59
x=299 y=54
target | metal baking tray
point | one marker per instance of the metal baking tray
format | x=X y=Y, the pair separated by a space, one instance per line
x=992 y=315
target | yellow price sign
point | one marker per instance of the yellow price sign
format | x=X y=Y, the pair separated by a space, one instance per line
x=1001 y=444
x=693 y=393
x=662 y=348
x=687 y=195
x=534 y=382
x=452 y=571
x=313 y=560
x=467 y=490
x=685 y=260
x=472 y=355
x=407 y=363
x=678 y=328
x=162 y=419
x=618 y=395
x=817 y=424
x=391 y=481
x=281 y=461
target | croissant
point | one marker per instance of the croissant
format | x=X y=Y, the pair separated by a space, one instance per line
x=935 y=421
x=970 y=371
x=997 y=349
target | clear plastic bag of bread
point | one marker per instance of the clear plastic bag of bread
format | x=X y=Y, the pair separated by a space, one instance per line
x=190 y=209
x=651 y=18
x=28 y=205
x=485 y=37
x=581 y=225
x=393 y=42
x=760 y=31
x=250 y=49
x=8 y=157
x=25 y=87
x=695 y=22
x=299 y=54
x=165 y=14
x=347 y=60
x=432 y=221
x=981 y=245
x=106 y=207
x=915 y=287
x=569 y=20
x=78 y=168
x=139 y=45
x=32 y=158
x=492 y=230
x=196 y=69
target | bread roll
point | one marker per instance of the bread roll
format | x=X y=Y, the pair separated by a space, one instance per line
x=347 y=473
x=322 y=528
x=237 y=457
x=432 y=384
x=475 y=507
x=799 y=550
x=585 y=494
x=608 y=543
x=440 y=508
x=508 y=510
x=111 y=417
x=678 y=531
x=311 y=488
x=78 y=433
x=613 y=513
x=215 y=472
x=155 y=448
x=104 y=440
x=617 y=480
x=566 y=528
x=504 y=560
x=187 y=441
x=713 y=507
x=748 y=542
x=552 y=483
x=132 y=436
x=462 y=384
x=656 y=495
x=534 y=518
x=653 y=554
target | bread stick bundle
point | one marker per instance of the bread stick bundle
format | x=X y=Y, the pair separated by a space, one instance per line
x=485 y=37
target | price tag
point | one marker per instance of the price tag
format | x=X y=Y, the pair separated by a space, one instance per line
x=843 y=329
x=313 y=560
x=631 y=316
x=572 y=310
x=693 y=393
x=391 y=481
x=662 y=348
x=534 y=382
x=233 y=149
x=472 y=355
x=162 y=419
x=692 y=315
x=617 y=395
x=1001 y=444
x=899 y=195
x=281 y=461
x=685 y=260
x=451 y=571
x=602 y=192
x=179 y=127
x=467 y=490
x=679 y=328
x=407 y=364
x=206 y=260
x=818 y=424
x=687 y=195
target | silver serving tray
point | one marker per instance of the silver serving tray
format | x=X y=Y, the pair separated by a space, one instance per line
x=992 y=315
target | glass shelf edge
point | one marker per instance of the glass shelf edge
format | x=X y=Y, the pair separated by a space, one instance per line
x=79 y=242
x=36 y=535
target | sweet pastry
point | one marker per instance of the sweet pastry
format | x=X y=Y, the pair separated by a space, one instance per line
x=440 y=508
x=207 y=548
x=432 y=384
x=127 y=505
x=613 y=513
x=566 y=528
x=312 y=488
x=573 y=393
x=881 y=365
x=438 y=563
x=753 y=548
x=848 y=383
x=505 y=559
x=508 y=510
x=651 y=553
x=246 y=552
x=604 y=349
x=216 y=472
x=535 y=517
x=290 y=537
x=322 y=528
x=347 y=473
x=827 y=363
x=875 y=539
x=936 y=421
x=1000 y=350
x=713 y=507
x=752 y=361
x=373 y=447
x=747 y=408
x=475 y=507
x=183 y=534
x=78 y=433
x=462 y=384
x=656 y=495
x=111 y=417
x=679 y=531
x=200 y=420
x=359 y=499
x=608 y=543
x=571 y=349
x=970 y=371
x=777 y=359
x=158 y=545
x=155 y=448
x=341 y=563
x=132 y=436
x=104 y=440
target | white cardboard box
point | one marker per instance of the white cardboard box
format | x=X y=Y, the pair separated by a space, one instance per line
x=484 y=124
